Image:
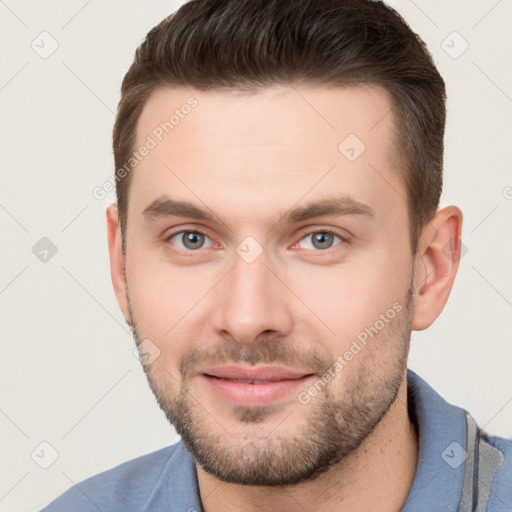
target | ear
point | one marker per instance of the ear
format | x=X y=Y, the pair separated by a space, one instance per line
x=117 y=260
x=436 y=264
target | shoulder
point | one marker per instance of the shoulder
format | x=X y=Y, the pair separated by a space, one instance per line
x=484 y=473
x=125 y=487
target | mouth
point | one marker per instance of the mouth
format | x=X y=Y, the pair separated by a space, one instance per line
x=254 y=387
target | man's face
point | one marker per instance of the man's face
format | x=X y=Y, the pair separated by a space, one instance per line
x=283 y=338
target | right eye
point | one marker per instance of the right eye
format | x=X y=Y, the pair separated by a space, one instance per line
x=190 y=240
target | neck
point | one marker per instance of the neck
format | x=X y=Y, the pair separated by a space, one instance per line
x=360 y=482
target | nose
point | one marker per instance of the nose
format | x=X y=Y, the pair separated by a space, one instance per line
x=251 y=299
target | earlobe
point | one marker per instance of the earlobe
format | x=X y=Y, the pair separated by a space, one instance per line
x=436 y=265
x=117 y=260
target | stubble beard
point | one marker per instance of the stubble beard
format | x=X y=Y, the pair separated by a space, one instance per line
x=338 y=421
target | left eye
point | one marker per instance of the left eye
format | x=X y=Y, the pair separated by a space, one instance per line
x=190 y=240
x=321 y=239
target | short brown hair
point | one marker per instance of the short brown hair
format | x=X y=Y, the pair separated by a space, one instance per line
x=250 y=44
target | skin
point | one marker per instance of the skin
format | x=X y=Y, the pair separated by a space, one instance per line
x=249 y=159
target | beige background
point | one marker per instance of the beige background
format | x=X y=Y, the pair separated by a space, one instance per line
x=68 y=375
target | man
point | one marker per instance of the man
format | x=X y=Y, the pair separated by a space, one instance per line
x=276 y=239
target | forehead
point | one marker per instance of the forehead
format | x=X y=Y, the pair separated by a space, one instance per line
x=268 y=147
x=269 y=116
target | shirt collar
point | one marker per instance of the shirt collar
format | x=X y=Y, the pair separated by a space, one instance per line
x=442 y=448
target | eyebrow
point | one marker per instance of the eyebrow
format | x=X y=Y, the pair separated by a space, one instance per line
x=165 y=206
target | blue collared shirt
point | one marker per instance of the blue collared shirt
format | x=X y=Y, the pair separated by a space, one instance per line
x=460 y=469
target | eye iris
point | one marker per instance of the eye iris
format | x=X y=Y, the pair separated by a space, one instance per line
x=192 y=240
x=322 y=240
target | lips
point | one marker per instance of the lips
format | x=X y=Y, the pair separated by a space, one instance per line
x=253 y=386
x=249 y=381
x=262 y=374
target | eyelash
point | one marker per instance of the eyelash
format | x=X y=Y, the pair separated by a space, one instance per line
x=304 y=235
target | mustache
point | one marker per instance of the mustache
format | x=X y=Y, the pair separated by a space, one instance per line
x=268 y=350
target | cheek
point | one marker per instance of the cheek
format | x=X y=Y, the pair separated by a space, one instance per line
x=347 y=299
x=160 y=296
x=172 y=308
